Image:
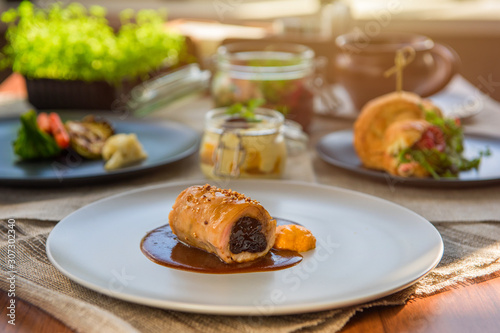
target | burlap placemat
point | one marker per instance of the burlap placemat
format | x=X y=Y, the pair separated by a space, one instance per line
x=56 y=203
x=435 y=204
x=472 y=252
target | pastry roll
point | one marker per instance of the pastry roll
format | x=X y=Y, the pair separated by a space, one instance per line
x=223 y=222
x=377 y=115
x=417 y=134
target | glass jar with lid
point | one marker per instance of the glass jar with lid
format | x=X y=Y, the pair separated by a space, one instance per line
x=278 y=73
x=235 y=147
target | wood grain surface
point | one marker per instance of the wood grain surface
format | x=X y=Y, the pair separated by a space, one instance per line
x=474 y=308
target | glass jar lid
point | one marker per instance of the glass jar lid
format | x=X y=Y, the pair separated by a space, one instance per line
x=266 y=121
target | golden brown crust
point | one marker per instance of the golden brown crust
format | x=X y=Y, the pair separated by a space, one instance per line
x=429 y=106
x=202 y=216
x=404 y=134
x=378 y=115
x=374 y=119
x=401 y=135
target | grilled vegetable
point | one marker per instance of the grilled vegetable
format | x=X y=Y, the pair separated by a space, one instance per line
x=58 y=131
x=33 y=143
x=87 y=137
x=121 y=150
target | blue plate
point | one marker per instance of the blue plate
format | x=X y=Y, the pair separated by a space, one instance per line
x=165 y=143
x=337 y=149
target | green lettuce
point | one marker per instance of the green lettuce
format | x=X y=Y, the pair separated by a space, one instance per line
x=71 y=42
x=32 y=143
x=450 y=162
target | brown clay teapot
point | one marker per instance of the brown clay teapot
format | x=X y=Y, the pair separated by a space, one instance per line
x=361 y=62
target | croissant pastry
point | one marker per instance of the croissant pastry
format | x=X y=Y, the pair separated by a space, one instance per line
x=223 y=222
x=408 y=137
x=377 y=115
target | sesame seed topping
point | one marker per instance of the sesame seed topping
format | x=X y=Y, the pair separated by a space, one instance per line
x=230 y=195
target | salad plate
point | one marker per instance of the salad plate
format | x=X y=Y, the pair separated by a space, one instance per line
x=366 y=248
x=337 y=149
x=164 y=142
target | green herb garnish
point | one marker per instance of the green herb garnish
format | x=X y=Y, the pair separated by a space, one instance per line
x=247 y=111
x=31 y=142
x=452 y=131
x=73 y=43
x=448 y=163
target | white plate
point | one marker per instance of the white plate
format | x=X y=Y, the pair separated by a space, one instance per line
x=367 y=248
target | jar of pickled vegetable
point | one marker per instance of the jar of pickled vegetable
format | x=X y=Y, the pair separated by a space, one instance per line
x=236 y=147
x=280 y=74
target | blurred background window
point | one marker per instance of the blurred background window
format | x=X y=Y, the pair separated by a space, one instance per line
x=471 y=27
x=216 y=9
x=428 y=9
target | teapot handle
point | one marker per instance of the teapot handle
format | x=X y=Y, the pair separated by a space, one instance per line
x=447 y=64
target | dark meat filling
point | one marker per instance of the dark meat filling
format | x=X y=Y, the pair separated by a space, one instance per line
x=247 y=236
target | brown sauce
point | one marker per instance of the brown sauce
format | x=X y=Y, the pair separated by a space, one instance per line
x=162 y=247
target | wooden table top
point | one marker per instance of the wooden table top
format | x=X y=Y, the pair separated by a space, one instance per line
x=472 y=308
